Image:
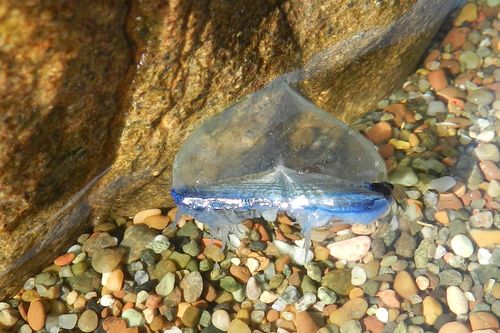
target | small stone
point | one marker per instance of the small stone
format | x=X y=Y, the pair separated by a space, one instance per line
x=305 y=323
x=351 y=326
x=405 y=245
x=481 y=96
x=190 y=316
x=437 y=79
x=484 y=256
x=136 y=238
x=326 y=296
x=159 y=244
x=106 y=260
x=456 y=300
x=483 y=321
x=454 y=327
x=36 y=315
x=436 y=107
x=469 y=59
x=449 y=201
x=299 y=255
x=403 y=175
x=241 y=273
x=8 y=318
x=442 y=184
x=65 y=259
x=380 y=132
x=305 y=302
x=487 y=152
x=221 y=320
x=97 y=241
x=238 y=326
x=485 y=238
x=456 y=37
x=358 y=276
x=462 y=246
x=67 y=321
x=158 y=222
x=351 y=249
x=468 y=13
x=253 y=289
x=404 y=285
x=481 y=220
x=388 y=297
x=450 y=277
x=490 y=170
x=166 y=284
x=192 y=286
x=133 y=317
x=494 y=189
x=214 y=252
x=338 y=281
x=382 y=314
x=88 y=321
x=180 y=259
x=431 y=309
x=228 y=283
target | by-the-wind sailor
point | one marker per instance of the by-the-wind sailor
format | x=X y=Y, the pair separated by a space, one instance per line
x=275 y=151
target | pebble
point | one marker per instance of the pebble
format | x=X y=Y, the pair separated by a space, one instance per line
x=238 y=326
x=299 y=255
x=485 y=238
x=166 y=284
x=106 y=260
x=404 y=176
x=305 y=302
x=380 y=132
x=133 y=317
x=436 y=107
x=192 y=286
x=483 y=320
x=487 y=152
x=352 y=249
x=456 y=300
x=454 y=327
x=462 y=246
x=67 y=321
x=253 y=289
x=494 y=189
x=442 y=184
x=221 y=320
x=382 y=314
x=8 y=318
x=432 y=309
x=143 y=215
x=481 y=96
x=404 y=284
x=469 y=59
x=358 y=276
x=326 y=295
x=305 y=323
x=36 y=315
x=88 y=321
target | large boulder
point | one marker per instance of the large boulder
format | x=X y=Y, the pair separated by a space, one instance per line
x=96 y=97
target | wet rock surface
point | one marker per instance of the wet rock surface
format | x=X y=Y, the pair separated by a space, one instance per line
x=79 y=99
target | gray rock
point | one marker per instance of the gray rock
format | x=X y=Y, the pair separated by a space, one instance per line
x=137 y=238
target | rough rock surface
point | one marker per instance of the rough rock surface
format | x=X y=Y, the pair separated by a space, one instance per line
x=77 y=99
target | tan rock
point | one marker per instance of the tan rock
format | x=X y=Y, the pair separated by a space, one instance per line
x=432 y=309
x=483 y=320
x=468 y=13
x=437 y=79
x=490 y=170
x=485 y=238
x=305 y=323
x=238 y=326
x=454 y=327
x=37 y=315
x=380 y=132
x=405 y=285
x=158 y=222
x=442 y=217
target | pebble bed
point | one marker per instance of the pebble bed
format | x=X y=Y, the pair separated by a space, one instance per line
x=434 y=267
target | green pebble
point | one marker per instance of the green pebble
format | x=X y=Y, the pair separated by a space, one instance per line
x=276 y=281
x=308 y=285
x=79 y=268
x=403 y=176
x=133 y=317
x=422 y=253
x=181 y=259
x=189 y=230
x=215 y=275
x=339 y=281
x=206 y=265
x=370 y=287
x=84 y=282
x=192 y=248
x=205 y=318
x=163 y=267
x=239 y=295
x=214 y=252
x=314 y=271
x=148 y=256
x=326 y=295
x=228 y=283
x=166 y=285
x=46 y=279
x=192 y=265
x=211 y=329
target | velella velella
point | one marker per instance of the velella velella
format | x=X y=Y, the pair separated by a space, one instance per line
x=274 y=151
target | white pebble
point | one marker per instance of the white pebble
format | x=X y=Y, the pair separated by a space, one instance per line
x=462 y=246
x=436 y=107
x=305 y=302
x=442 y=184
x=106 y=300
x=252 y=265
x=267 y=297
x=382 y=314
x=299 y=255
x=142 y=215
x=440 y=252
x=358 y=276
x=456 y=300
x=486 y=136
x=483 y=256
x=221 y=320
x=352 y=249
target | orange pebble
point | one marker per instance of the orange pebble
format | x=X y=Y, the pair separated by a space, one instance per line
x=65 y=259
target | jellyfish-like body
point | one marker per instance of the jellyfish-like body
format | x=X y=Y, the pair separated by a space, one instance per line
x=276 y=151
